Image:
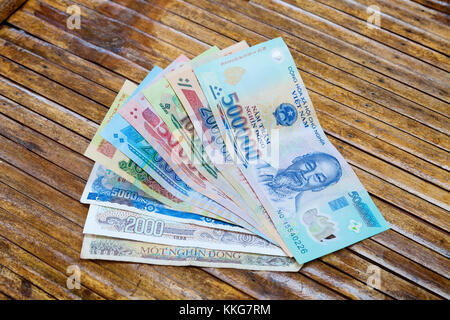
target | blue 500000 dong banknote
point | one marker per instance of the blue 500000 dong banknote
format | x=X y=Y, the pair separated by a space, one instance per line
x=268 y=122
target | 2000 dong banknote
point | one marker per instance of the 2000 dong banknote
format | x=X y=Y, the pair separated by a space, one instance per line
x=124 y=224
x=270 y=128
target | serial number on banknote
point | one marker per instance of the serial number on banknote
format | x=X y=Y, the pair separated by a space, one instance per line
x=294 y=235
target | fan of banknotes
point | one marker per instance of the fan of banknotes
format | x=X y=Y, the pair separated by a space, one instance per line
x=220 y=161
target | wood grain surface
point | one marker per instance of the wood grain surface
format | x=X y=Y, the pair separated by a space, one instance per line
x=381 y=94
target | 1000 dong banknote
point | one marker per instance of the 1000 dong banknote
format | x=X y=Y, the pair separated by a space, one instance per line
x=117 y=223
x=184 y=83
x=106 y=188
x=107 y=155
x=105 y=248
x=262 y=107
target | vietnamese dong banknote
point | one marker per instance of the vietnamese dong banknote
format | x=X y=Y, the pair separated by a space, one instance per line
x=271 y=129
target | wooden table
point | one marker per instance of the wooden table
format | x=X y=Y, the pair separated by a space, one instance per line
x=382 y=96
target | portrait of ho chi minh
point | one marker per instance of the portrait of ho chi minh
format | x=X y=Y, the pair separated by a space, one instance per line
x=309 y=172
